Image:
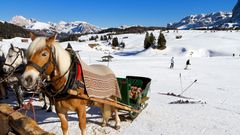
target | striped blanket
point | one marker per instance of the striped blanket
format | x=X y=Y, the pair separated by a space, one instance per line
x=100 y=81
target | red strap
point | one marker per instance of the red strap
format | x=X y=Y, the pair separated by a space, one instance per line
x=79 y=72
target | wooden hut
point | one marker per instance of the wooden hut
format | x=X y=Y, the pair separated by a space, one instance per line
x=24 y=40
x=178 y=36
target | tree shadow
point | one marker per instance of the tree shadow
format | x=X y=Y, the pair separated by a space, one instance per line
x=129 y=53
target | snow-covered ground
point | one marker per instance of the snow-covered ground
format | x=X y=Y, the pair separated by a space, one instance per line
x=217 y=84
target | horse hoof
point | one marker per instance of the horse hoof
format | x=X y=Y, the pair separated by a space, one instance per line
x=104 y=125
x=117 y=127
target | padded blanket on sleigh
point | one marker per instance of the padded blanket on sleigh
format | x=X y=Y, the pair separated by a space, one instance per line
x=100 y=81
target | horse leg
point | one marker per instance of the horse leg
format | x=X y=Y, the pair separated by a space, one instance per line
x=82 y=119
x=106 y=113
x=64 y=122
x=44 y=100
x=50 y=106
x=19 y=94
x=117 y=119
x=4 y=86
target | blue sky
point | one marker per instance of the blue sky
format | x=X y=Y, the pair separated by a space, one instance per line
x=111 y=13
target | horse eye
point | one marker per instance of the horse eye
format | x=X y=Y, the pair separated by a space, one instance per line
x=44 y=54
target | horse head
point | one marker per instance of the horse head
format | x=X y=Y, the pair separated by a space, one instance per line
x=43 y=60
x=14 y=58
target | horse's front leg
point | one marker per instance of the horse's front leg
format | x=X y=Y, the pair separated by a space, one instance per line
x=44 y=100
x=82 y=119
x=19 y=93
x=64 y=122
x=50 y=106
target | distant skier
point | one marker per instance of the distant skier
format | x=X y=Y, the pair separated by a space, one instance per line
x=187 y=64
x=172 y=63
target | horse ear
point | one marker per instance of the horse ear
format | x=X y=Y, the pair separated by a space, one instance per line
x=11 y=46
x=32 y=36
x=51 y=40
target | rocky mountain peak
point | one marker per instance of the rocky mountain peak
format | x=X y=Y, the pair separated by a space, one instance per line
x=76 y=27
x=20 y=21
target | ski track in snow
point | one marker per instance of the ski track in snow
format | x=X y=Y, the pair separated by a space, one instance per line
x=217 y=85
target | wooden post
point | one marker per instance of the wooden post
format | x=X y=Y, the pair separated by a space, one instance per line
x=21 y=124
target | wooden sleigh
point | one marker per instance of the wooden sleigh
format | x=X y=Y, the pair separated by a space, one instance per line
x=133 y=105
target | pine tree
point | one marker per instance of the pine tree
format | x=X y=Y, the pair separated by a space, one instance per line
x=149 y=40
x=152 y=39
x=101 y=38
x=92 y=38
x=146 y=46
x=115 y=42
x=161 y=44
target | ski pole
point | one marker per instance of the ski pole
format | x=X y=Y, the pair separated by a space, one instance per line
x=188 y=87
x=180 y=77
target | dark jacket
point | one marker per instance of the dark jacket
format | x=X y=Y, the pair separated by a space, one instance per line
x=188 y=62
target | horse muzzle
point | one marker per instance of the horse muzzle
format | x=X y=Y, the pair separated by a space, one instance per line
x=29 y=82
x=7 y=69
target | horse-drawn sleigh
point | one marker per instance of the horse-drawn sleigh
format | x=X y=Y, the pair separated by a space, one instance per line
x=72 y=85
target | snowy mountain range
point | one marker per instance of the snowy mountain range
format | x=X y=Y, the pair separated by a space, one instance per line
x=203 y=21
x=76 y=27
x=224 y=20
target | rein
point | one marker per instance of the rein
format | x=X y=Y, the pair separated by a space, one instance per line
x=8 y=76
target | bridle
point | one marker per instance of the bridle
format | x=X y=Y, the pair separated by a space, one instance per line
x=42 y=69
x=51 y=60
x=19 y=53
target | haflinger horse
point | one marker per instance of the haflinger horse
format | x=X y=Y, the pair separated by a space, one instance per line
x=47 y=58
x=15 y=63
